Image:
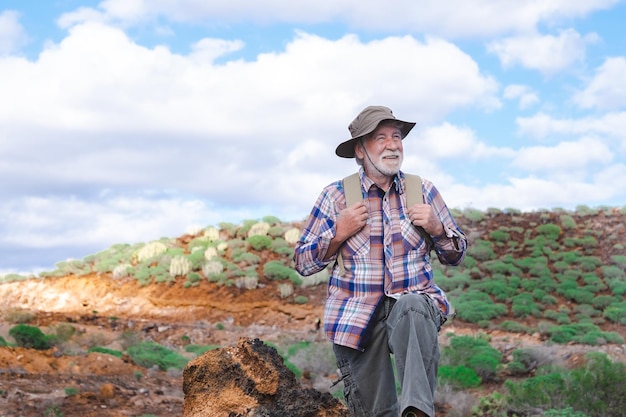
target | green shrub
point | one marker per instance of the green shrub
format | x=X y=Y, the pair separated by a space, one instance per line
x=493 y=404
x=498 y=287
x=459 y=377
x=499 y=236
x=551 y=231
x=603 y=301
x=473 y=306
x=595 y=389
x=242 y=232
x=458 y=279
x=501 y=267
x=589 y=263
x=616 y=312
x=3 y=342
x=598 y=387
x=568 y=222
x=473 y=215
x=585 y=333
x=579 y=295
x=542 y=391
x=112 y=352
x=514 y=327
x=559 y=316
x=247 y=257
x=29 y=337
x=524 y=362
x=619 y=261
x=271 y=220
x=301 y=299
x=70 y=391
x=524 y=306
x=276 y=232
x=618 y=287
x=276 y=270
x=260 y=242
x=481 y=250
x=613 y=272
x=149 y=354
x=475 y=353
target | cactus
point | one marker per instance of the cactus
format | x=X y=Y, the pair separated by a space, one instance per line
x=179 y=265
x=212 y=234
x=285 y=289
x=121 y=271
x=292 y=235
x=151 y=250
x=259 y=229
x=210 y=253
x=212 y=268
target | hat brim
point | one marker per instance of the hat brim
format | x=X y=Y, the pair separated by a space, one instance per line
x=346 y=149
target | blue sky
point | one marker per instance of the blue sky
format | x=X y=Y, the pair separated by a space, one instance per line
x=124 y=121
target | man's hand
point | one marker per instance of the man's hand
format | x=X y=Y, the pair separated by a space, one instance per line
x=351 y=220
x=424 y=215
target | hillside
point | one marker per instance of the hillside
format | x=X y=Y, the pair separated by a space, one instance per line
x=553 y=279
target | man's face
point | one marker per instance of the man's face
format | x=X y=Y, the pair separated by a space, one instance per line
x=382 y=153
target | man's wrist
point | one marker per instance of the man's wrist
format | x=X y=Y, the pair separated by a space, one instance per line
x=441 y=235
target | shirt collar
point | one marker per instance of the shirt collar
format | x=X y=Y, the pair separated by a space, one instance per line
x=367 y=183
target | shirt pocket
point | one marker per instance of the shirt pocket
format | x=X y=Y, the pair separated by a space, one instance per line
x=358 y=245
x=412 y=240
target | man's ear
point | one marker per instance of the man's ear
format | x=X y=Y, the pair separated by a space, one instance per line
x=358 y=150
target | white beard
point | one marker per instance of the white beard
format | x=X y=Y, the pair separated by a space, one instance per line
x=385 y=166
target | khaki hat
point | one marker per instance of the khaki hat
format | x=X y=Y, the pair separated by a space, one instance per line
x=366 y=122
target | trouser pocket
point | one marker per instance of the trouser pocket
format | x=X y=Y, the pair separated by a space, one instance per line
x=350 y=388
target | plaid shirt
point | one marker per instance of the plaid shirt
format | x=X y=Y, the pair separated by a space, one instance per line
x=387 y=257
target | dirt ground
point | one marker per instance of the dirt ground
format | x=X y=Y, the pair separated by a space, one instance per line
x=69 y=382
x=66 y=381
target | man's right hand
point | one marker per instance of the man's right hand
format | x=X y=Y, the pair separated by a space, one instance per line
x=351 y=220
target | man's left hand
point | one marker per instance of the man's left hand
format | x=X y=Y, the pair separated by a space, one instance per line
x=424 y=215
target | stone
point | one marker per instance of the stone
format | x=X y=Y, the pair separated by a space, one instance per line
x=251 y=380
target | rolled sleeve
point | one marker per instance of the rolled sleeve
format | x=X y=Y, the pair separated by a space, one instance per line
x=320 y=228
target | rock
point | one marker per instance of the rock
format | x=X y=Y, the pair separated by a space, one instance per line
x=107 y=391
x=251 y=380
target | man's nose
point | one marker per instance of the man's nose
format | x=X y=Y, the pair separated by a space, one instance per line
x=392 y=143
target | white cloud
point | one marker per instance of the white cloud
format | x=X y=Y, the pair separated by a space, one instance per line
x=81 y=15
x=12 y=33
x=545 y=53
x=568 y=157
x=448 y=141
x=532 y=192
x=526 y=96
x=44 y=222
x=607 y=89
x=117 y=110
x=456 y=18
x=612 y=125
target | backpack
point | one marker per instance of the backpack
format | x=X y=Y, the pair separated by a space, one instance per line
x=353 y=193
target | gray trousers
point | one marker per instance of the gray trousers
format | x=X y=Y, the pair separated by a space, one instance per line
x=407 y=329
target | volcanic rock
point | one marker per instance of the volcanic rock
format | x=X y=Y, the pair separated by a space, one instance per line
x=251 y=380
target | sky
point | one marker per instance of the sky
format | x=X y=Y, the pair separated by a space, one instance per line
x=125 y=121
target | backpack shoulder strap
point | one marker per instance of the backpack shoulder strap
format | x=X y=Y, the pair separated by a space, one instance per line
x=415 y=195
x=413 y=183
x=353 y=193
x=352 y=189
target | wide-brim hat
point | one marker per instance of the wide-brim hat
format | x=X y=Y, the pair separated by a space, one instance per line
x=366 y=122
